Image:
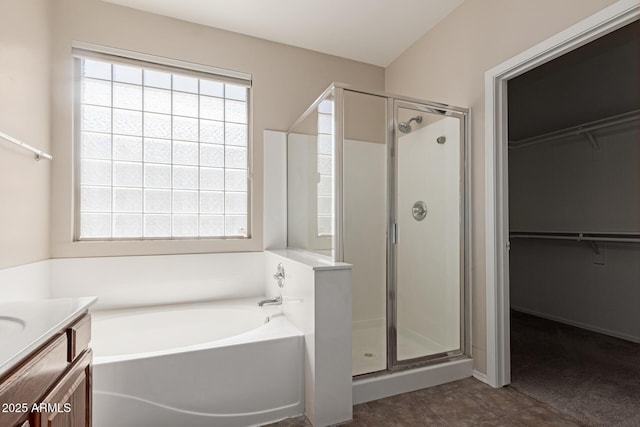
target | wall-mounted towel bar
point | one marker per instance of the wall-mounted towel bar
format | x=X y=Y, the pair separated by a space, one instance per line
x=38 y=154
x=585 y=129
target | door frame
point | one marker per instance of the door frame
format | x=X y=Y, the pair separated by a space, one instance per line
x=597 y=25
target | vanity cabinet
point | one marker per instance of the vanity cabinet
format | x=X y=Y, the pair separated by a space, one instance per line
x=52 y=386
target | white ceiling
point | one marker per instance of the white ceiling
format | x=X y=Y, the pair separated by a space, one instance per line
x=371 y=31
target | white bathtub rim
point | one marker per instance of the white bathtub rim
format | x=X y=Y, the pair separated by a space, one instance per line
x=278 y=327
x=250 y=303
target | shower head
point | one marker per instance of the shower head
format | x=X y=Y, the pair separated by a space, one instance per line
x=405 y=127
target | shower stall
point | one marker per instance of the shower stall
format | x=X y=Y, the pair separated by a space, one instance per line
x=381 y=182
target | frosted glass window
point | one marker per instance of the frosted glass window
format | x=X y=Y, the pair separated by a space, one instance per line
x=185 y=225
x=127 y=148
x=127 y=122
x=185 y=104
x=325 y=124
x=211 y=225
x=96 y=199
x=235 y=157
x=157 y=100
x=97 y=119
x=235 y=225
x=157 y=150
x=127 y=174
x=96 y=145
x=161 y=155
x=235 y=180
x=157 y=225
x=235 y=134
x=208 y=87
x=325 y=186
x=212 y=202
x=185 y=177
x=235 y=92
x=185 y=153
x=324 y=164
x=185 y=84
x=157 y=79
x=95 y=225
x=96 y=92
x=157 y=125
x=96 y=172
x=127 y=74
x=235 y=203
x=127 y=225
x=211 y=131
x=127 y=96
x=211 y=108
x=212 y=155
x=324 y=208
x=211 y=179
x=325 y=144
x=185 y=129
x=185 y=201
x=235 y=111
x=96 y=69
x=157 y=201
x=157 y=176
x=127 y=200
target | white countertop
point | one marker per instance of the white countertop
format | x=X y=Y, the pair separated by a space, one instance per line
x=26 y=325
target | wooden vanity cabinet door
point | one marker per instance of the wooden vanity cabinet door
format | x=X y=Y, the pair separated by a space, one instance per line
x=70 y=399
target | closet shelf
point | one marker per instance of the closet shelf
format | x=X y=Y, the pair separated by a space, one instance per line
x=621 y=237
x=584 y=129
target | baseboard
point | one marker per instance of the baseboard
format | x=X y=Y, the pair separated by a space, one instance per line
x=586 y=326
x=390 y=384
x=480 y=376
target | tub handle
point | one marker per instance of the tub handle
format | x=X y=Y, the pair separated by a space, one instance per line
x=279 y=275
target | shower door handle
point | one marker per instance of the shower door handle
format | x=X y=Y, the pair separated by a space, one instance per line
x=394 y=233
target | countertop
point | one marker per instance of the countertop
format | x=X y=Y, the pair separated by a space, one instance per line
x=26 y=325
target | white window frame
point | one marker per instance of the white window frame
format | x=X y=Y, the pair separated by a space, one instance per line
x=131 y=58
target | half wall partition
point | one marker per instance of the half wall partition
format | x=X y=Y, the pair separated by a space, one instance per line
x=380 y=182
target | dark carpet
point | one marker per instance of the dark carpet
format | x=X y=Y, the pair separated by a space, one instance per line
x=593 y=377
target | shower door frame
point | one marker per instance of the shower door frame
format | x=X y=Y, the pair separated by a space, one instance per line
x=463 y=114
x=394 y=103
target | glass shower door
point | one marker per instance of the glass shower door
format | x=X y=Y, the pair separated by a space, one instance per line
x=426 y=289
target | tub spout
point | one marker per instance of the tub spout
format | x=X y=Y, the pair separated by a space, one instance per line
x=271 y=301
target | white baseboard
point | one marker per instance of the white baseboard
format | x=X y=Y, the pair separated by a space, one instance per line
x=586 y=326
x=373 y=388
x=480 y=376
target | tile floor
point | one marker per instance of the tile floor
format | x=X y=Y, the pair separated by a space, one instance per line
x=467 y=402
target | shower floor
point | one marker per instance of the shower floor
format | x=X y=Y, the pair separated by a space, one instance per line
x=369 y=348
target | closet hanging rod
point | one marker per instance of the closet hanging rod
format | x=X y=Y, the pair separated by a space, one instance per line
x=585 y=128
x=579 y=237
x=38 y=154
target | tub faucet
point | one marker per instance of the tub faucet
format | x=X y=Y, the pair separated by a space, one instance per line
x=271 y=301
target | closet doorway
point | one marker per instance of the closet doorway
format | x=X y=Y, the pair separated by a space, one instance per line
x=574 y=230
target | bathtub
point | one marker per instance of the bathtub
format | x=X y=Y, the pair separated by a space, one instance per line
x=228 y=363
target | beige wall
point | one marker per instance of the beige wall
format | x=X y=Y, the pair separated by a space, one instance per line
x=448 y=65
x=24 y=114
x=286 y=80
